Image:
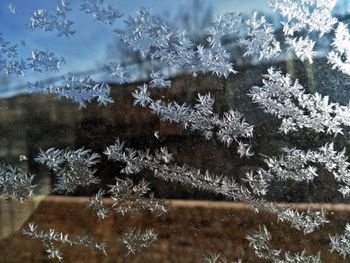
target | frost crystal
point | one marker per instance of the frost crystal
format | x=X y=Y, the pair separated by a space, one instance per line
x=12 y=8
x=141 y=96
x=100 y=13
x=15 y=183
x=300 y=166
x=218 y=258
x=81 y=89
x=302 y=47
x=51 y=237
x=146 y=32
x=159 y=80
x=163 y=167
x=310 y=15
x=225 y=26
x=72 y=168
x=152 y=38
x=341 y=242
x=288 y=101
x=9 y=62
x=131 y=198
x=231 y=127
x=259 y=242
x=215 y=60
x=135 y=240
x=96 y=204
x=49 y=22
x=44 y=61
x=117 y=73
x=259 y=39
x=307 y=221
x=339 y=57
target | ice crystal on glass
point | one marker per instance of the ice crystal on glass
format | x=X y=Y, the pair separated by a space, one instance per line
x=259 y=241
x=218 y=258
x=310 y=15
x=57 y=21
x=117 y=73
x=341 y=242
x=339 y=57
x=288 y=100
x=141 y=96
x=226 y=26
x=135 y=240
x=81 y=89
x=51 y=238
x=15 y=183
x=145 y=32
x=9 y=60
x=44 y=61
x=259 y=39
x=97 y=205
x=129 y=197
x=72 y=168
x=231 y=127
x=303 y=48
x=101 y=13
x=159 y=80
x=12 y=8
x=153 y=38
x=307 y=221
x=162 y=165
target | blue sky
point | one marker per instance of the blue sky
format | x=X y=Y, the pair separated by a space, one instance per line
x=87 y=49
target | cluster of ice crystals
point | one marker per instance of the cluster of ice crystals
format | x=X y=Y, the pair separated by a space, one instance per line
x=39 y=61
x=302 y=47
x=163 y=167
x=341 y=242
x=301 y=166
x=259 y=39
x=51 y=237
x=72 y=168
x=12 y=8
x=159 y=80
x=259 y=241
x=129 y=197
x=81 y=89
x=15 y=183
x=339 y=57
x=142 y=96
x=44 y=61
x=161 y=163
x=145 y=33
x=136 y=240
x=9 y=61
x=117 y=73
x=101 y=13
x=215 y=60
x=153 y=38
x=310 y=15
x=96 y=204
x=307 y=221
x=226 y=26
x=288 y=101
x=218 y=258
x=53 y=22
x=231 y=127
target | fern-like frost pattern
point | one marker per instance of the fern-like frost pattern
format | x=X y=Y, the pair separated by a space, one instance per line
x=72 y=168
